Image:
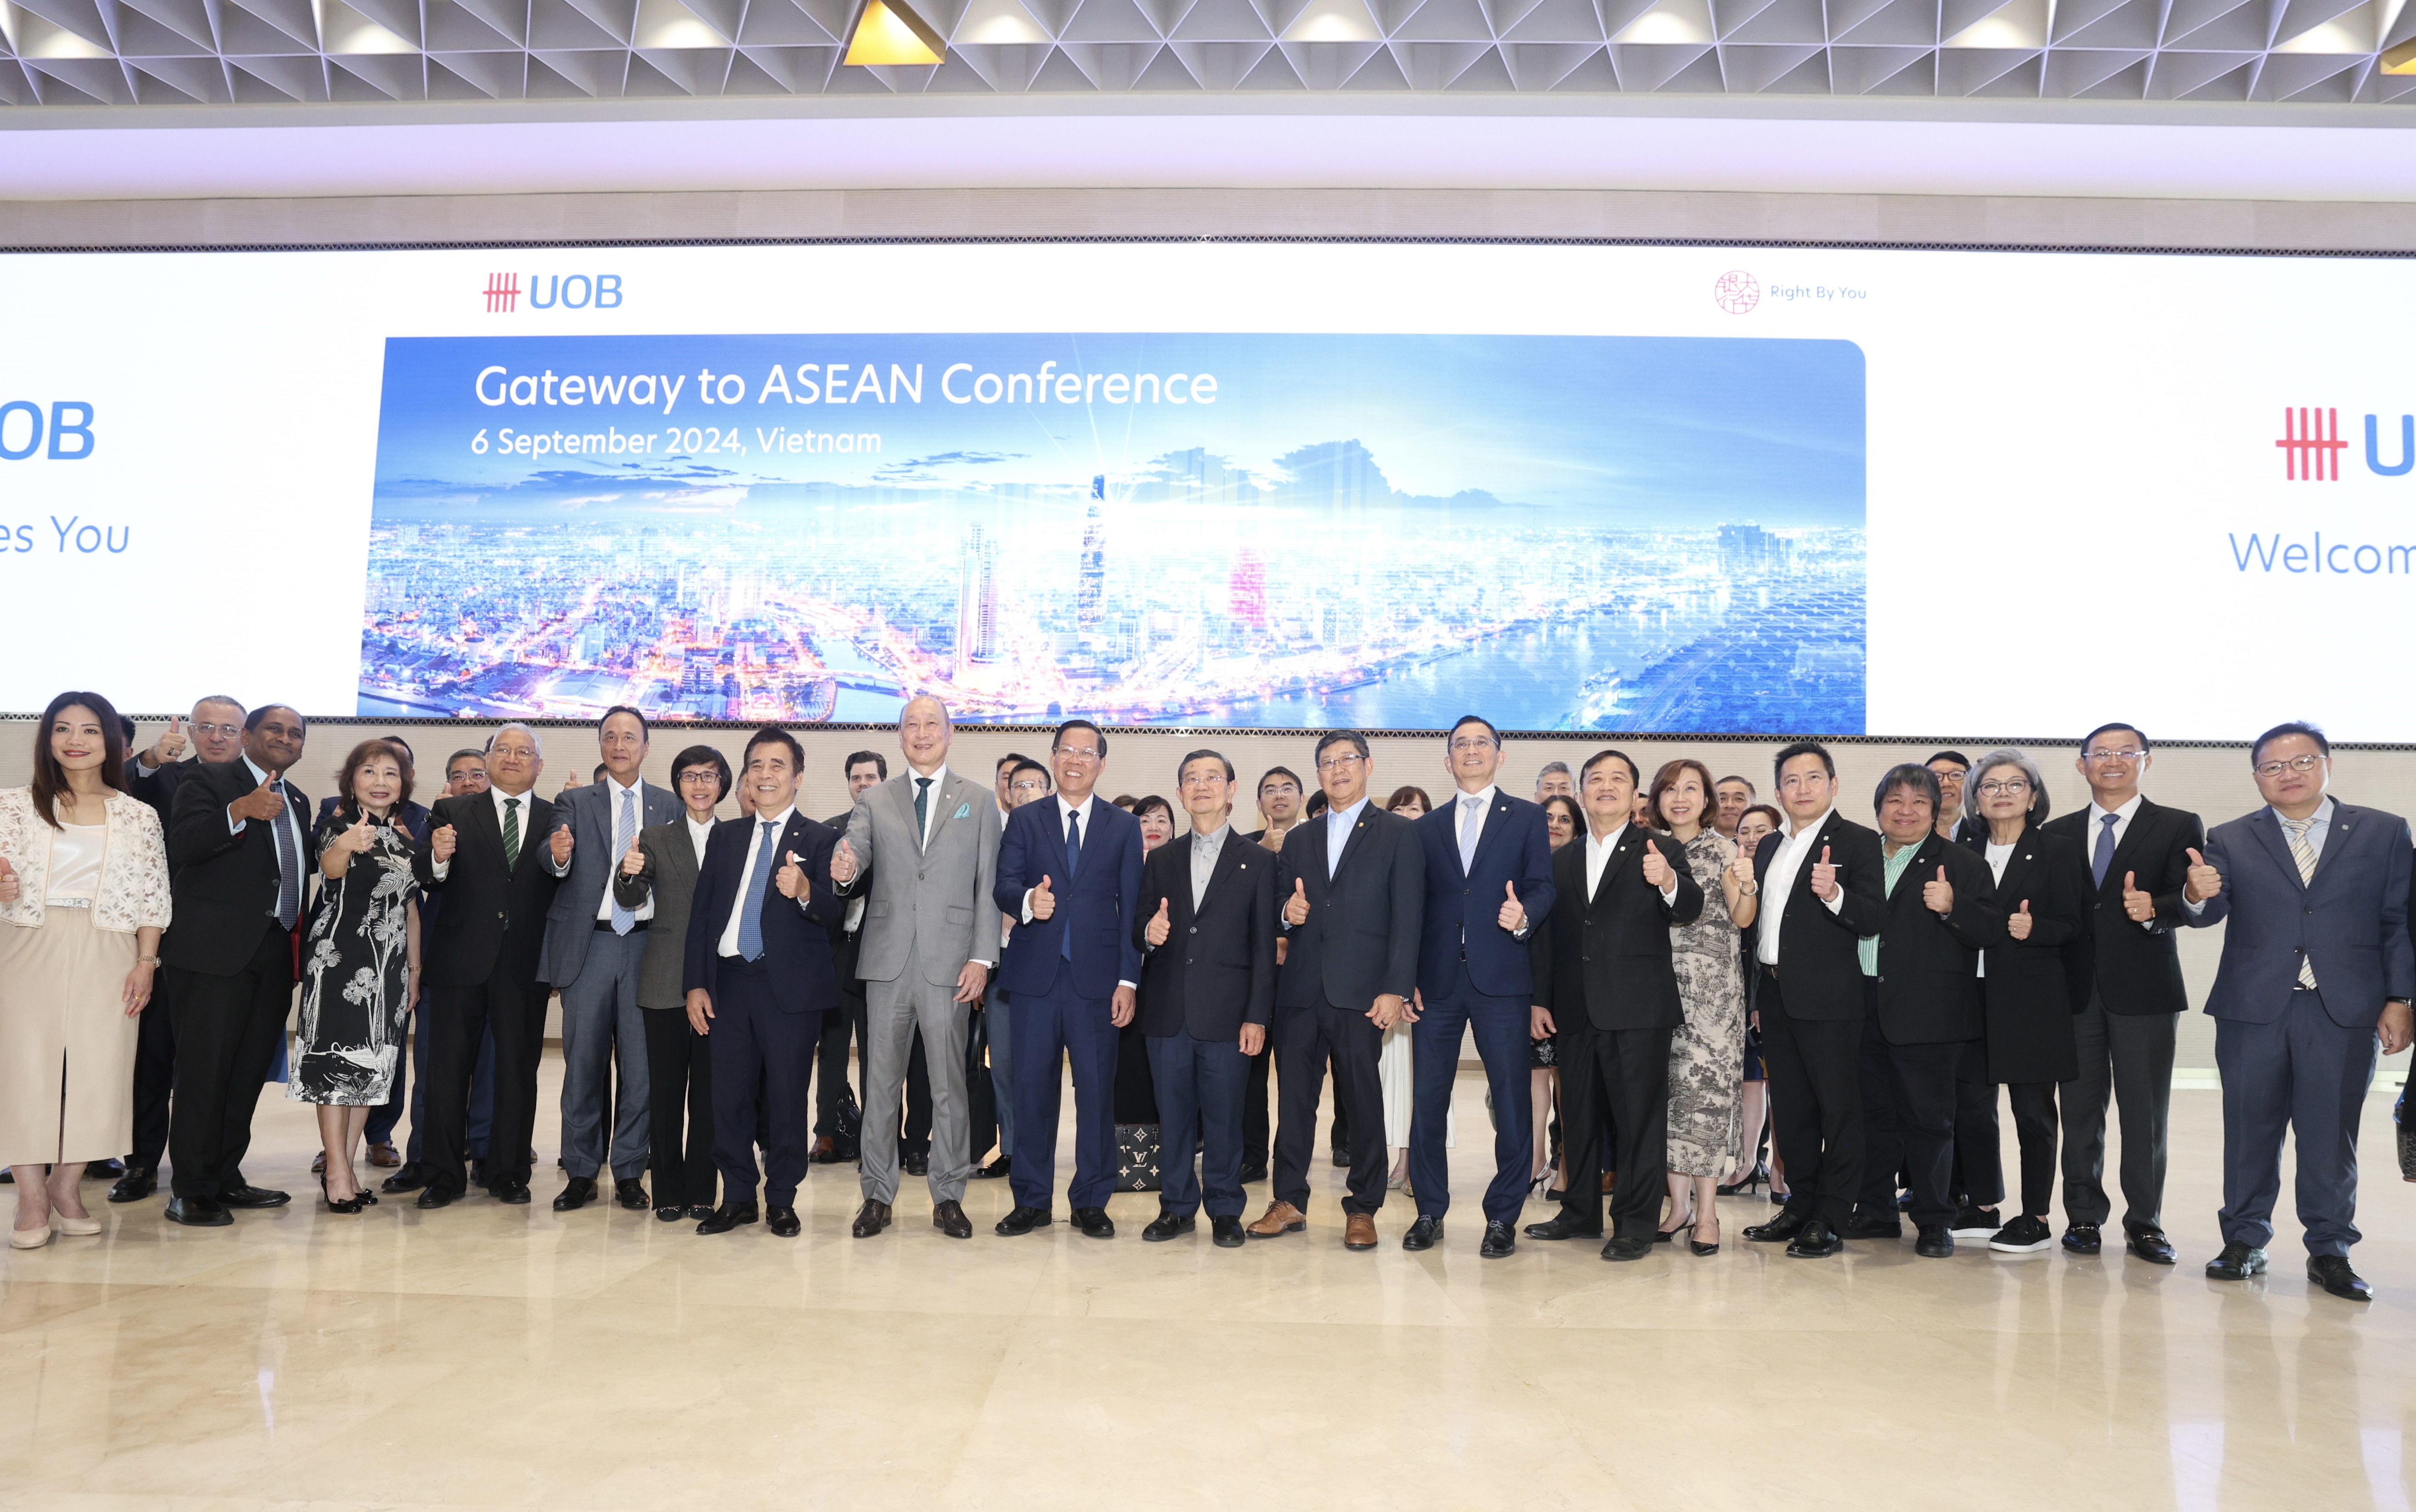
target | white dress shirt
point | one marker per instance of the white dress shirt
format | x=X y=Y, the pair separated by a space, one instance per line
x=1484 y=807
x=697 y=835
x=301 y=841
x=2122 y=817
x=1998 y=856
x=1779 y=883
x=1338 y=824
x=779 y=823
x=611 y=827
x=938 y=778
x=1598 y=854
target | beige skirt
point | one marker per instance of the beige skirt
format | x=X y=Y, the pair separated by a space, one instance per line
x=66 y=1045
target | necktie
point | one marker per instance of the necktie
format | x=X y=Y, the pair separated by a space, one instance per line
x=922 y=809
x=289 y=868
x=750 y=912
x=1073 y=860
x=2102 y=860
x=2305 y=855
x=511 y=834
x=623 y=919
x=1471 y=827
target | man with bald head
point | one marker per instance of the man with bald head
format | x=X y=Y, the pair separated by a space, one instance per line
x=922 y=848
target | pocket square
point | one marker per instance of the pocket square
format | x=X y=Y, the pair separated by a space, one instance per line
x=963 y=810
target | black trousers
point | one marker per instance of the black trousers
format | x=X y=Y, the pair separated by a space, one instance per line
x=1816 y=1104
x=1908 y=1120
x=458 y=1016
x=1622 y=1075
x=679 y=1110
x=2034 y=1127
x=830 y=1063
x=226 y=1031
x=1303 y=1039
x=155 y=1074
x=1254 y=1107
x=1979 y=1179
x=2126 y=1057
x=759 y=1051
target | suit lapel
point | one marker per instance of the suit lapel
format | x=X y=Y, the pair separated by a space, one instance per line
x=483 y=822
x=1350 y=847
x=1229 y=860
x=2126 y=850
x=2017 y=865
x=1496 y=814
x=2269 y=831
x=1628 y=848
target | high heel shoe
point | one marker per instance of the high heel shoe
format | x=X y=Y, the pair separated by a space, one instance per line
x=1662 y=1236
x=1746 y=1183
x=1701 y=1249
x=353 y=1204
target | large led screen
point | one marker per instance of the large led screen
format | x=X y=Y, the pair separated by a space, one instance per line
x=1278 y=485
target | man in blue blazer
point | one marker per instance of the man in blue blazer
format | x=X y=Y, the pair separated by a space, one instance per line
x=760 y=976
x=2317 y=967
x=1488 y=870
x=1069 y=878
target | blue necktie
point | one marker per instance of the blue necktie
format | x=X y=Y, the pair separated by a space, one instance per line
x=288 y=868
x=2102 y=860
x=750 y=912
x=1073 y=862
x=623 y=919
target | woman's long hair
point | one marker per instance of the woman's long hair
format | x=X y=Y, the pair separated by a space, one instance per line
x=50 y=778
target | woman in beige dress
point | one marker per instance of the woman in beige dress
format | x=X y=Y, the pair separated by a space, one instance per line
x=84 y=895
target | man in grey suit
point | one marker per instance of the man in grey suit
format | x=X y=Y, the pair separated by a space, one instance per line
x=595 y=948
x=2317 y=967
x=922 y=848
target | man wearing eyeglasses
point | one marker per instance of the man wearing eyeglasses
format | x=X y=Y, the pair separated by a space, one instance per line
x=2317 y=969
x=2126 y=968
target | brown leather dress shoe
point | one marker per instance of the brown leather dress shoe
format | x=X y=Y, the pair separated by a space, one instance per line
x=1360 y=1232
x=384 y=1157
x=871 y=1218
x=1280 y=1217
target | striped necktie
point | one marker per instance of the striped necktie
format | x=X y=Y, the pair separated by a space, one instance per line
x=622 y=834
x=2305 y=855
x=511 y=834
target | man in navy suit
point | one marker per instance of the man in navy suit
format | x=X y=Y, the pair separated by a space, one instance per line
x=1489 y=869
x=759 y=978
x=1069 y=876
x=2317 y=967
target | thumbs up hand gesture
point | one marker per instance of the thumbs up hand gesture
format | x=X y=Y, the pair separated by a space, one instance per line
x=1042 y=900
x=262 y=803
x=1296 y=906
x=789 y=879
x=358 y=838
x=1742 y=868
x=1656 y=869
x=1938 y=894
x=439 y=844
x=2019 y=923
x=171 y=743
x=560 y=844
x=635 y=862
x=843 y=863
x=2136 y=905
x=10 y=886
x=1160 y=925
x=1513 y=916
x=2204 y=880
x=1824 y=878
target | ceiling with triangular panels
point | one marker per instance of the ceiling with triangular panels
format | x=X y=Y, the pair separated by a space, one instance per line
x=134 y=53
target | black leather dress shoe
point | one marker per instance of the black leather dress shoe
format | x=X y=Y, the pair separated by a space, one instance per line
x=1094 y=1223
x=915 y=1165
x=514 y=1192
x=2083 y=1238
x=1253 y=1172
x=1937 y=1242
x=630 y=1193
x=1424 y=1233
x=1561 y=1226
x=254 y=1197
x=993 y=1171
x=783 y=1221
x=1626 y=1247
x=949 y=1218
x=728 y=1217
x=1499 y=1241
x=137 y=1183
x=871 y=1218
x=1020 y=1220
x=197 y=1213
x=1169 y=1225
x=1225 y=1232
x=1815 y=1240
x=1781 y=1229
x=576 y=1193
x=2332 y=1274
x=410 y=1178
x=699 y=1211
x=1867 y=1224
x=669 y=1215
x=103 y=1169
x=1341 y=1158
x=2237 y=1262
x=2151 y=1245
x=436 y=1197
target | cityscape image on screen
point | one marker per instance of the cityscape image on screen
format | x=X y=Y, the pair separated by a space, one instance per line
x=1279 y=530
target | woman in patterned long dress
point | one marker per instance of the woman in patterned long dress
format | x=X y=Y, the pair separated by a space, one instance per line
x=1563 y=821
x=362 y=965
x=1705 y=1052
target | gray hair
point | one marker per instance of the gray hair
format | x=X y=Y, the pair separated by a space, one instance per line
x=537 y=742
x=935 y=701
x=2010 y=756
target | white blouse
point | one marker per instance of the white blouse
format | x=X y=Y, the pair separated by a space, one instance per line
x=75 y=863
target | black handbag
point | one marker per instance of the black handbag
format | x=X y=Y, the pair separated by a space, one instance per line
x=847 y=1126
x=981 y=1089
x=1137 y=1157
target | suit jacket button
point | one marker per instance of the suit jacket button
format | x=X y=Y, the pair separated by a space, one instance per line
x=1194 y=929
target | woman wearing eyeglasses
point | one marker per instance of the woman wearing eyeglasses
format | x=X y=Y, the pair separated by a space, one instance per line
x=2026 y=987
x=1563 y=821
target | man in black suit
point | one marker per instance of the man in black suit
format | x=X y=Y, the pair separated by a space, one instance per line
x=1822 y=877
x=760 y=978
x=1278 y=811
x=217 y=735
x=240 y=849
x=1924 y=1016
x=496 y=859
x=1207 y=919
x=1352 y=884
x=1607 y=987
x=2126 y=969
x=1026 y=781
x=862 y=769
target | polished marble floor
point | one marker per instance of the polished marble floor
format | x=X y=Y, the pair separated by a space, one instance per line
x=487 y=1356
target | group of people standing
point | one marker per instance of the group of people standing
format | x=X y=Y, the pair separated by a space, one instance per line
x=1607 y=946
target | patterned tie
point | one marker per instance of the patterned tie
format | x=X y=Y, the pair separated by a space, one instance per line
x=750 y=915
x=623 y=918
x=1471 y=827
x=511 y=834
x=2102 y=860
x=922 y=810
x=2305 y=855
x=1072 y=861
x=289 y=868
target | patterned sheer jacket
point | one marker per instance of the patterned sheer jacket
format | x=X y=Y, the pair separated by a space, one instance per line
x=133 y=892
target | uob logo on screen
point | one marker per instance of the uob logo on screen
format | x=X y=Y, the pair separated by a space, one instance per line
x=553 y=291
x=60 y=431
x=2311 y=444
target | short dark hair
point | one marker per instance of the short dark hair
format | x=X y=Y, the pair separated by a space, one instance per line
x=598 y=775
x=1316 y=804
x=1476 y=719
x=1025 y=764
x=2294 y=727
x=1726 y=780
x=2090 y=738
x=126 y=728
x=702 y=756
x=251 y=721
x=1204 y=753
x=1284 y=772
x=1059 y=738
x=1006 y=762
x=1144 y=805
x=1955 y=756
x=645 y=731
x=1635 y=772
x=397 y=740
x=1339 y=737
x=772 y=734
x=880 y=763
x=1908 y=775
x=1576 y=811
x=1808 y=748
x=1664 y=779
x=1404 y=793
x=471 y=751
